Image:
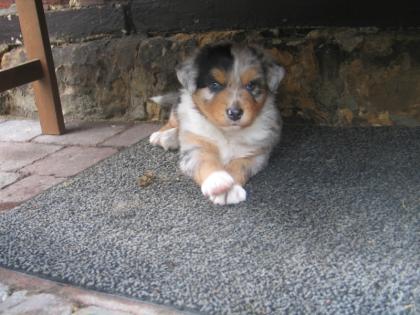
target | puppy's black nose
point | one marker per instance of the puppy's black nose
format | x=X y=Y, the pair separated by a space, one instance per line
x=234 y=113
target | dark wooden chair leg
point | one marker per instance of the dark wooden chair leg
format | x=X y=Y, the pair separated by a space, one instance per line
x=37 y=45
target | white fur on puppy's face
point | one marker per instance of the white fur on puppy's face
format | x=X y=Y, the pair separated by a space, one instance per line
x=226 y=78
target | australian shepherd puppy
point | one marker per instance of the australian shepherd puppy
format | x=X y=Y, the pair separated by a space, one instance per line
x=224 y=120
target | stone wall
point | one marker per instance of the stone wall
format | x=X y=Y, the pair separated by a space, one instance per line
x=335 y=76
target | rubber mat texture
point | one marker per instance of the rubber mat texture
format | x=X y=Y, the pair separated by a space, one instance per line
x=331 y=226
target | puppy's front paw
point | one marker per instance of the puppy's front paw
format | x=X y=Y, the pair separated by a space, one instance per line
x=235 y=195
x=217 y=183
x=167 y=139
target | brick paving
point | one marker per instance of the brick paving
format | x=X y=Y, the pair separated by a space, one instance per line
x=87 y=134
x=26 y=188
x=31 y=163
x=7 y=178
x=15 y=155
x=19 y=130
x=25 y=294
x=129 y=136
x=69 y=161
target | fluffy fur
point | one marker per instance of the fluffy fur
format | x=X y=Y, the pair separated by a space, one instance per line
x=224 y=119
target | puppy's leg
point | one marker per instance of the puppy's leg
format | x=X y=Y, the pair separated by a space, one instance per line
x=200 y=159
x=167 y=136
x=241 y=170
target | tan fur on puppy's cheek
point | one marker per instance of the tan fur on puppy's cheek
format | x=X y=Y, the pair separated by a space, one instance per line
x=251 y=107
x=215 y=109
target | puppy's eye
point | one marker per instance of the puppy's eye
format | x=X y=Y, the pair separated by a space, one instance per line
x=250 y=86
x=215 y=86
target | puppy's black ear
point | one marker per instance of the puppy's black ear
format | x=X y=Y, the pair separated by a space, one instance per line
x=275 y=73
x=187 y=74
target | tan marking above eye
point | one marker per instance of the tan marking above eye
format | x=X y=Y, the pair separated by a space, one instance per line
x=249 y=75
x=219 y=75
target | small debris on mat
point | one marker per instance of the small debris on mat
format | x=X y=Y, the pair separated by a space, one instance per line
x=146 y=179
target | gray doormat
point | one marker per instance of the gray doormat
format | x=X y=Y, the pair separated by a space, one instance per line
x=331 y=226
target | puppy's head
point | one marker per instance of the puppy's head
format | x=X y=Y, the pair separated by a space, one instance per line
x=230 y=84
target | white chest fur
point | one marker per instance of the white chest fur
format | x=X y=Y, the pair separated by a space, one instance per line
x=232 y=143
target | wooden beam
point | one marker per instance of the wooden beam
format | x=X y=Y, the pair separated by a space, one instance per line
x=37 y=45
x=21 y=74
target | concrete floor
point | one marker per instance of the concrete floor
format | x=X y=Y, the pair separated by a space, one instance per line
x=31 y=163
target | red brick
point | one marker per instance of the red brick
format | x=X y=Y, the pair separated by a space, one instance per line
x=131 y=135
x=4 y=4
x=8 y=205
x=69 y=161
x=83 y=134
x=26 y=188
x=19 y=130
x=7 y=178
x=14 y=155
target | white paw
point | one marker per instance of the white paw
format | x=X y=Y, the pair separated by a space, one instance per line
x=167 y=139
x=235 y=195
x=217 y=183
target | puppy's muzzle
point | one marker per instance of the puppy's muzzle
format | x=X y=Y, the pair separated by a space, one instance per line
x=234 y=113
